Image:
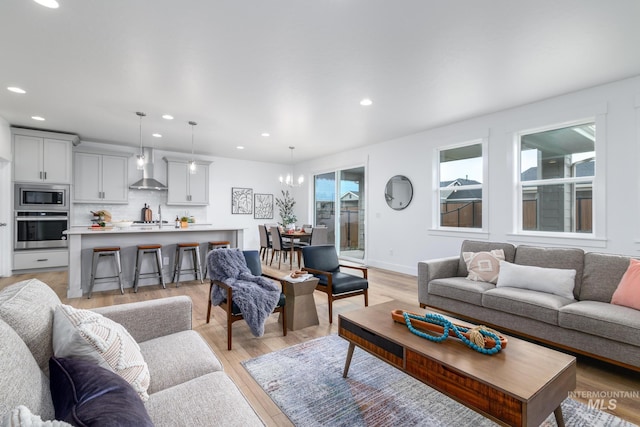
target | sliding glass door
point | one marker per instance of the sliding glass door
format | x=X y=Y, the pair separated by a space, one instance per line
x=340 y=206
x=324 y=203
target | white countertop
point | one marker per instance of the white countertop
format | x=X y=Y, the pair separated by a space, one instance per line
x=166 y=228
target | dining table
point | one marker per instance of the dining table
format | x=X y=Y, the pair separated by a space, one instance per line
x=294 y=234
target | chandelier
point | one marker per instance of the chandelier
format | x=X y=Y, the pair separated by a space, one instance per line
x=288 y=180
x=140 y=157
x=192 y=163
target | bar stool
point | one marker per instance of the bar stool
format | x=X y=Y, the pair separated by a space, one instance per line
x=142 y=251
x=181 y=248
x=98 y=253
x=214 y=244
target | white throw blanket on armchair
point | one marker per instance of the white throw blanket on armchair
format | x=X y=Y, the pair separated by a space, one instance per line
x=256 y=296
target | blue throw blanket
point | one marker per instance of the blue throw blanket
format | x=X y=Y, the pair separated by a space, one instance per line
x=256 y=296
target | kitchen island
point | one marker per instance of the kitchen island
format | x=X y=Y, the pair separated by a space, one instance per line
x=83 y=239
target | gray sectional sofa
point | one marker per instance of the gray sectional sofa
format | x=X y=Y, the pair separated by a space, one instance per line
x=588 y=324
x=187 y=386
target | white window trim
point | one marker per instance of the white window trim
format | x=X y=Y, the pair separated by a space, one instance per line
x=597 y=237
x=437 y=229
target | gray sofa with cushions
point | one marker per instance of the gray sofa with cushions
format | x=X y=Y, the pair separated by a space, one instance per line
x=588 y=324
x=188 y=386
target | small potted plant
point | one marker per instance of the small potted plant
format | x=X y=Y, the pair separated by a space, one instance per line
x=184 y=222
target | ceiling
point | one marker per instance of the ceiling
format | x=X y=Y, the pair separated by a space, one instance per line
x=298 y=69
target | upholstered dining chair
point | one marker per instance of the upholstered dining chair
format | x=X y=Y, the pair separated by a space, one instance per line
x=231 y=307
x=281 y=247
x=322 y=261
x=319 y=236
x=265 y=243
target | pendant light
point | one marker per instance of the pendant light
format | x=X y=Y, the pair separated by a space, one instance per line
x=192 y=163
x=140 y=160
x=288 y=180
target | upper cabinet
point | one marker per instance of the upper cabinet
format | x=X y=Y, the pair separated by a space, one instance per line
x=186 y=187
x=100 y=177
x=40 y=156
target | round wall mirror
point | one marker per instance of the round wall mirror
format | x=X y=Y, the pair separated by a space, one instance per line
x=398 y=192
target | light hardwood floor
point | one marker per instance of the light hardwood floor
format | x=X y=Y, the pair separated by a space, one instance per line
x=593 y=376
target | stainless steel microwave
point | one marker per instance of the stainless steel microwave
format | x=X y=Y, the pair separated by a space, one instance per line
x=41 y=197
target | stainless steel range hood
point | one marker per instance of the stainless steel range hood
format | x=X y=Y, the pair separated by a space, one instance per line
x=148 y=182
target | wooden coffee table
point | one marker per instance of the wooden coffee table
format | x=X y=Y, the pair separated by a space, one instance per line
x=521 y=385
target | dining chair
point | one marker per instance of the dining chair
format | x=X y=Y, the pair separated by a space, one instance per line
x=322 y=261
x=231 y=308
x=279 y=246
x=265 y=243
x=319 y=236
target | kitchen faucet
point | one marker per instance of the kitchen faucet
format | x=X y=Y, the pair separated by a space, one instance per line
x=160 y=216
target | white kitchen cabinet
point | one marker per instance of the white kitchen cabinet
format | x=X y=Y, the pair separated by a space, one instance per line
x=40 y=156
x=185 y=188
x=32 y=259
x=100 y=177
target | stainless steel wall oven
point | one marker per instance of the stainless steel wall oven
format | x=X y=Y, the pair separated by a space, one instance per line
x=41 y=215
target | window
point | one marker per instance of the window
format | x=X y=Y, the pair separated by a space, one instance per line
x=556 y=179
x=460 y=174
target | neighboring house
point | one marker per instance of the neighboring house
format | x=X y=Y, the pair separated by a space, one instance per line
x=580 y=202
x=459 y=195
x=582 y=169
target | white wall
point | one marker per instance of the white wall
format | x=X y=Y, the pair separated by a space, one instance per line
x=408 y=234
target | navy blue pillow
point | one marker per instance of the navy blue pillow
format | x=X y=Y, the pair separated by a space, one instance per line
x=85 y=394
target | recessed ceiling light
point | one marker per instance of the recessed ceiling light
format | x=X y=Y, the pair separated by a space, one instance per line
x=167 y=116
x=38 y=118
x=15 y=89
x=366 y=102
x=156 y=135
x=240 y=147
x=51 y=4
x=265 y=134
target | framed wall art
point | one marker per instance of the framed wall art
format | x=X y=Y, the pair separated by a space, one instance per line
x=263 y=206
x=241 y=200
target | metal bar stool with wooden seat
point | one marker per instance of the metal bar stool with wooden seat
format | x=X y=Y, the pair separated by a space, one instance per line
x=98 y=253
x=142 y=251
x=214 y=244
x=181 y=248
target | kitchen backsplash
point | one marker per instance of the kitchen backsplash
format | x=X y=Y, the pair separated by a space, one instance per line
x=81 y=212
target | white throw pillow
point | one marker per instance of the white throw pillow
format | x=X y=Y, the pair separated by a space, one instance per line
x=557 y=281
x=483 y=266
x=90 y=336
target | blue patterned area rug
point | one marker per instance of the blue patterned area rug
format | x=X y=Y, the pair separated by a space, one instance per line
x=306 y=382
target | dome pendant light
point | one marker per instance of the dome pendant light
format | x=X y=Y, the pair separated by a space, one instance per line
x=288 y=180
x=192 y=163
x=140 y=157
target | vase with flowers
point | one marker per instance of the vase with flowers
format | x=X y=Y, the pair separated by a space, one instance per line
x=285 y=205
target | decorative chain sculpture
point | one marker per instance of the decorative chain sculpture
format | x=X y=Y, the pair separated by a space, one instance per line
x=476 y=334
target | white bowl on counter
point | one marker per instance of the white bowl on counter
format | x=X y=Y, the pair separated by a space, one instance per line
x=122 y=224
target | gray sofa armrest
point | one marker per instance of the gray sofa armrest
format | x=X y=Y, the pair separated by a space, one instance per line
x=434 y=269
x=152 y=319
